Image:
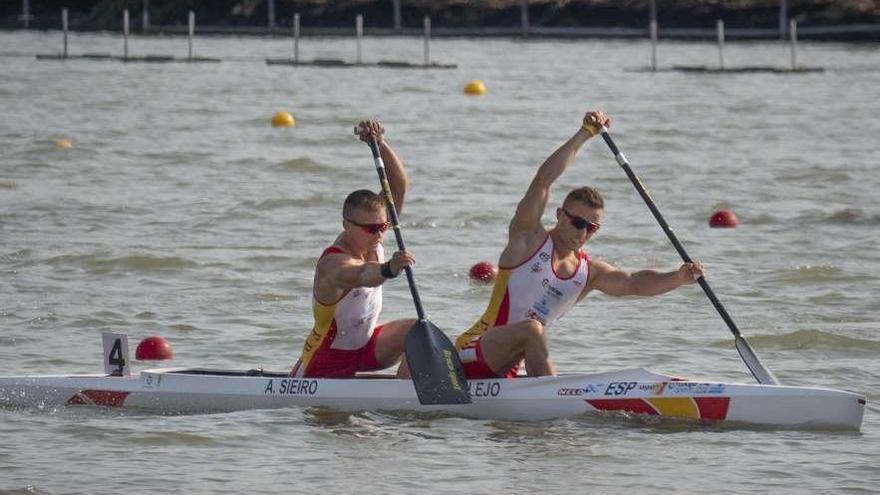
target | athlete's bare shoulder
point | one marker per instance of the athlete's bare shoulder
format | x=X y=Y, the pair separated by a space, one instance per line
x=519 y=248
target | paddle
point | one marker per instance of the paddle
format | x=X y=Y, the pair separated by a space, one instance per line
x=433 y=361
x=762 y=374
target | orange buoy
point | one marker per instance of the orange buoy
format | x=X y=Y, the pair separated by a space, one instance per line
x=483 y=271
x=153 y=348
x=723 y=219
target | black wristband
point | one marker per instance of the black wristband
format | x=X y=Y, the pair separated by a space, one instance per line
x=386 y=270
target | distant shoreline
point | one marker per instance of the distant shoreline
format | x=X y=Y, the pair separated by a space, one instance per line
x=840 y=20
x=842 y=33
x=853 y=32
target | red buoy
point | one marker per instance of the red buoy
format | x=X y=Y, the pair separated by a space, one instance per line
x=723 y=219
x=483 y=271
x=153 y=348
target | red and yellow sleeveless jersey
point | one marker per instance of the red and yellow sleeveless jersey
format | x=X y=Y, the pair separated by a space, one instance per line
x=348 y=323
x=531 y=289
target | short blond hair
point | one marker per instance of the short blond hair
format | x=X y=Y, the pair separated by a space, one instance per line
x=362 y=199
x=586 y=195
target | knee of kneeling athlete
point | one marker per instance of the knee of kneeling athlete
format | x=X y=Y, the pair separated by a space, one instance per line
x=534 y=328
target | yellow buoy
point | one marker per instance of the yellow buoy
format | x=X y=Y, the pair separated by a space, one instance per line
x=475 y=88
x=63 y=144
x=283 y=119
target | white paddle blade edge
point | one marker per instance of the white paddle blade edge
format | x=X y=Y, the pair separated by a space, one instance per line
x=762 y=374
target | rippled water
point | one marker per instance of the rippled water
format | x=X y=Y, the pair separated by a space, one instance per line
x=180 y=211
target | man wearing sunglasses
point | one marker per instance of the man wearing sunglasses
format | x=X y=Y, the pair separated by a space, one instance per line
x=544 y=273
x=347 y=289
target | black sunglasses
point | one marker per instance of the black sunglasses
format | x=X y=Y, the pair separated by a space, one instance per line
x=581 y=223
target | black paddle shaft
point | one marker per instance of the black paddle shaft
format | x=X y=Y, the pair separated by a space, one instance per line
x=751 y=360
x=392 y=210
x=621 y=160
x=437 y=372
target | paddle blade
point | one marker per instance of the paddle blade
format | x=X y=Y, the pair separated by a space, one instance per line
x=762 y=374
x=435 y=366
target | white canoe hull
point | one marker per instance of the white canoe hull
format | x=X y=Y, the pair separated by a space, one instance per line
x=635 y=391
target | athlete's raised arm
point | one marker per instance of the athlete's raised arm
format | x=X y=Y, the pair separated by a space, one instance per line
x=394 y=168
x=527 y=219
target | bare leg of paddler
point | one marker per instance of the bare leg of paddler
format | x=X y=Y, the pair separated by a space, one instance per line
x=504 y=346
x=537 y=358
x=403 y=370
x=391 y=344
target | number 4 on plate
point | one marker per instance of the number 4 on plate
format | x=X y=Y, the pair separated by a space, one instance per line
x=116 y=354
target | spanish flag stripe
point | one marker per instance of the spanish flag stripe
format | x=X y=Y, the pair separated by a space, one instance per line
x=676 y=407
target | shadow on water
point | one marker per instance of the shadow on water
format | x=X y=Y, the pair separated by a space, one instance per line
x=340 y=423
x=598 y=427
x=551 y=434
x=28 y=490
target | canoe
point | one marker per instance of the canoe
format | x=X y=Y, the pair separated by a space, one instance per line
x=632 y=391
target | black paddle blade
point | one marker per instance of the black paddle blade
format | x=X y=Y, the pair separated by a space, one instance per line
x=435 y=366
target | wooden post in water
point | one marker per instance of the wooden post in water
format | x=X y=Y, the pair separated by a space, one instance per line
x=654 y=45
x=720 y=25
x=125 y=27
x=191 y=32
x=398 y=19
x=524 y=15
x=270 y=4
x=652 y=23
x=427 y=22
x=359 y=31
x=145 y=16
x=64 y=29
x=26 y=13
x=792 y=28
x=783 y=18
x=296 y=38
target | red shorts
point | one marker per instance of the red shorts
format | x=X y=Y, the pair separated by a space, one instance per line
x=475 y=366
x=343 y=363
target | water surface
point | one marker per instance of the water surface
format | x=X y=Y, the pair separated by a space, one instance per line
x=179 y=211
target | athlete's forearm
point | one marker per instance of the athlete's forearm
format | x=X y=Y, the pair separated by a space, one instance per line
x=653 y=283
x=374 y=274
x=531 y=207
x=556 y=163
x=367 y=274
